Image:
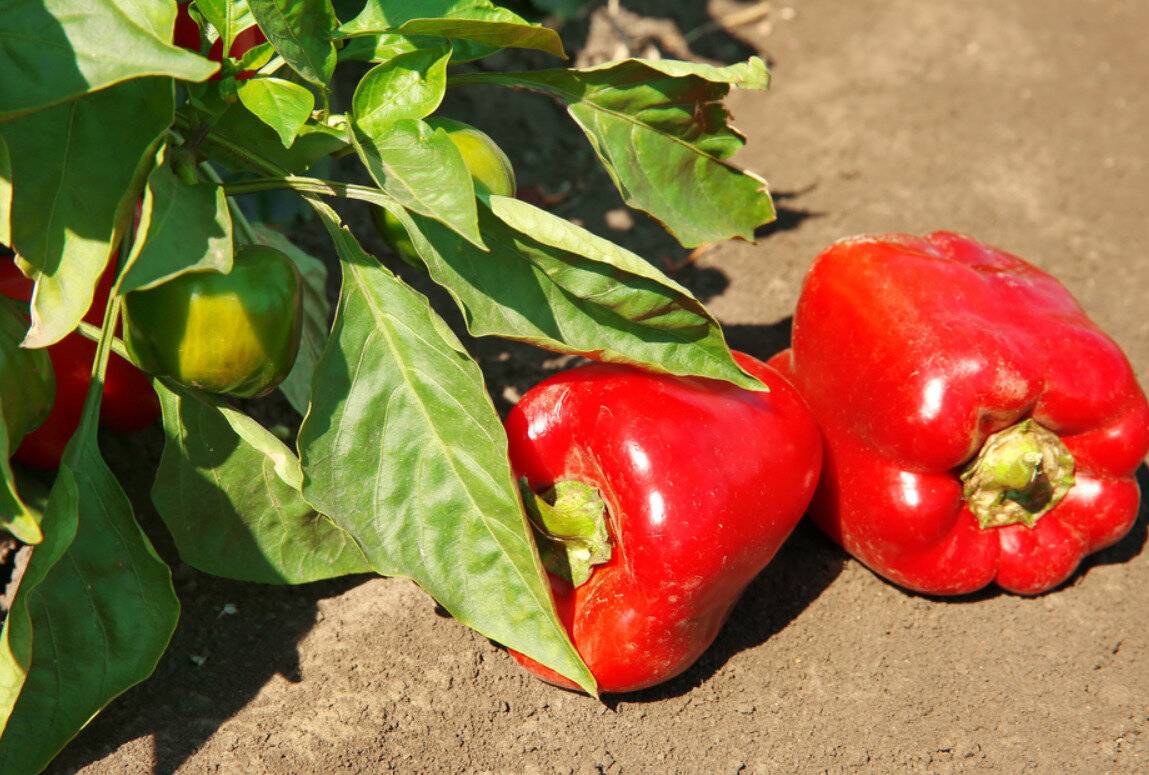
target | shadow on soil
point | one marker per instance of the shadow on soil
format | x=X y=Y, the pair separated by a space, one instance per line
x=803 y=568
x=232 y=639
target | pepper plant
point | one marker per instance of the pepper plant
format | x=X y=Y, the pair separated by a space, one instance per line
x=117 y=132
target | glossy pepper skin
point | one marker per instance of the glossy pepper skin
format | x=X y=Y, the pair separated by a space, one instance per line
x=235 y=334
x=129 y=404
x=911 y=352
x=703 y=481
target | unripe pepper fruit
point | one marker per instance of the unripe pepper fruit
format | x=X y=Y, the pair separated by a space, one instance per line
x=700 y=483
x=485 y=160
x=979 y=427
x=235 y=334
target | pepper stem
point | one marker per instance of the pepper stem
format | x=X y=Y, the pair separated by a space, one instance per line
x=569 y=522
x=1019 y=475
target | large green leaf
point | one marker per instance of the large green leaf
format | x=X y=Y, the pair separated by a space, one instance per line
x=297 y=386
x=56 y=50
x=403 y=448
x=424 y=171
x=183 y=228
x=663 y=134
x=479 y=22
x=300 y=31
x=408 y=86
x=555 y=285
x=76 y=172
x=229 y=492
x=91 y=617
x=282 y=105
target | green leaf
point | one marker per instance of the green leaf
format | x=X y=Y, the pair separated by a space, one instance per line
x=229 y=17
x=77 y=171
x=91 y=617
x=282 y=105
x=57 y=50
x=550 y=283
x=663 y=134
x=16 y=516
x=229 y=492
x=183 y=228
x=300 y=30
x=237 y=127
x=403 y=448
x=380 y=48
x=408 y=86
x=27 y=393
x=297 y=386
x=424 y=171
x=477 y=21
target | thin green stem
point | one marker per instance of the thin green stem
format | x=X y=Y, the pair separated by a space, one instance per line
x=88 y=331
x=306 y=185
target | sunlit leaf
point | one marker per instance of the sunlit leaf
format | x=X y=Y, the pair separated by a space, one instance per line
x=77 y=170
x=56 y=50
x=403 y=448
x=663 y=134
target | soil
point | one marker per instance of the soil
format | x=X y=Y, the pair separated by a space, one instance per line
x=1021 y=123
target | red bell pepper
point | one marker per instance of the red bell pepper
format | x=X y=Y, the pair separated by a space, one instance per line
x=663 y=497
x=979 y=427
x=129 y=403
x=186 y=34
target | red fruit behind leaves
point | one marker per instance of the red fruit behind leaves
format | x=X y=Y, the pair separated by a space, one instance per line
x=129 y=403
x=187 y=36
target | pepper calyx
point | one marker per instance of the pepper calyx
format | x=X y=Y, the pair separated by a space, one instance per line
x=1020 y=474
x=569 y=523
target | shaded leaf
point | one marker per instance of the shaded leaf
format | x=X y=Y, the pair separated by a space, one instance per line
x=239 y=127
x=76 y=172
x=229 y=492
x=403 y=448
x=27 y=392
x=91 y=617
x=57 y=50
x=183 y=228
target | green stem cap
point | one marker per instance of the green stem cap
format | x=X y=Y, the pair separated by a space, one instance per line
x=1019 y=475
x=569 y=522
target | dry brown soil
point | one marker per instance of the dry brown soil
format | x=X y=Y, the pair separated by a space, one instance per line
x=1022 y=123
